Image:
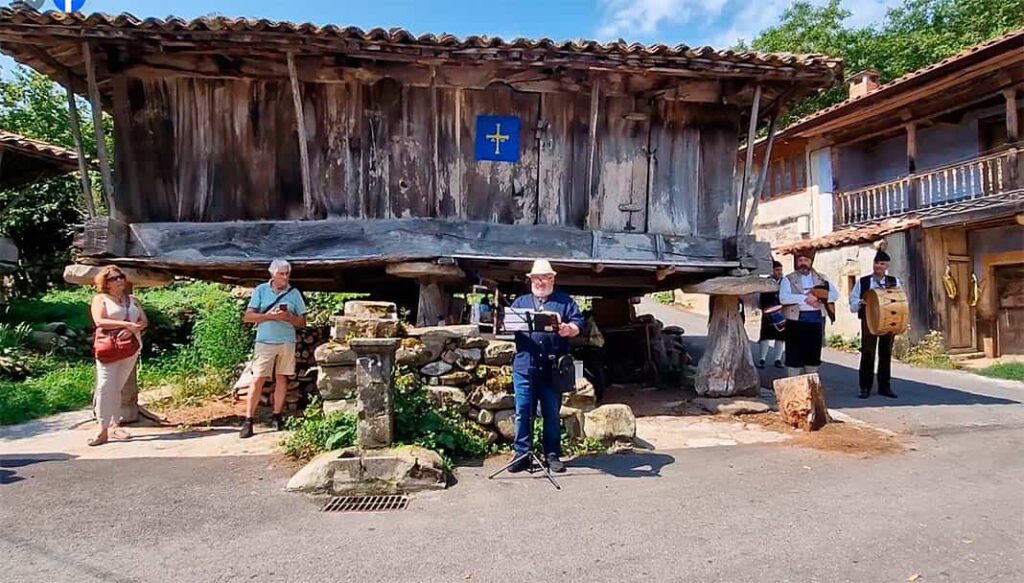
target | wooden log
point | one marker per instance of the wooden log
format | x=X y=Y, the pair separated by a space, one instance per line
x=425 y=270
x=748 y=167
x=727 y=368
x=96 y=104
x=83 y=165
x=78 y=274
x=733 y=286
x=802 y=402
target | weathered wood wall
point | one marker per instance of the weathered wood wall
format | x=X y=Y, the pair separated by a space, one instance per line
x=206 y=150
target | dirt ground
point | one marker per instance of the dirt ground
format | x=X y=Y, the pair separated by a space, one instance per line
x=848 y=438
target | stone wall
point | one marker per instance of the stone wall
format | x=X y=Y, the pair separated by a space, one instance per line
x=457 y=365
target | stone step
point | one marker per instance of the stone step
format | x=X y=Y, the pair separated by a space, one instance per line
x=962 y=356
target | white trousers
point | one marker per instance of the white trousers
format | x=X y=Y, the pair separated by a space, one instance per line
x=767 y=345
x=110 y=379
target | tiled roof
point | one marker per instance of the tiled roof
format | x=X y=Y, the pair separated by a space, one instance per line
x=827 y=67
x=38 y=149
x=851 y=236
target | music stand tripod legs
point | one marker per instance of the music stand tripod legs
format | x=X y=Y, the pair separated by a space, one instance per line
x=533 y=460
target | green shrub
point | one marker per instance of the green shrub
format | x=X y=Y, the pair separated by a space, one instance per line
x=65 y=387
x=315 y=432
x=664 y=298
x=837 y=342
x=321 y=306
x=68 y=306
x=570 y=447
x=930 y=352
x=1013 y=371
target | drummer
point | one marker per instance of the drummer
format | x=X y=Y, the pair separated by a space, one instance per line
x=878 y=279
x=805 y=314
x=771 y=332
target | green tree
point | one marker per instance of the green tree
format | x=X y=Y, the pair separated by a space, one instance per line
x=41 y=218
x=913 y=35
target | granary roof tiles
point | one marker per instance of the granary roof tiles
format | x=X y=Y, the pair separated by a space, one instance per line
x=37 y=149
x=853 y=236
x=826 y=68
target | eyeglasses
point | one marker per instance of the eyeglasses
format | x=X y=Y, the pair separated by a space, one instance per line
x=118 y=277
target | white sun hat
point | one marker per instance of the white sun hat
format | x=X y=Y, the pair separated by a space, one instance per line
x=541 y=267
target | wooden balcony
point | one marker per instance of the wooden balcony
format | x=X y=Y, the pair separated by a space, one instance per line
x=974 y=179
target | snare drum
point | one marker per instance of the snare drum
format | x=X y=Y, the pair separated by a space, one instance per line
x=775 y=317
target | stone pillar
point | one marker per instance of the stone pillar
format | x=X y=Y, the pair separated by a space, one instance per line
x=375 y=363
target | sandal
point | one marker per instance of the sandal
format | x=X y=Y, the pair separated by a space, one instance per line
x=97 y=441
x=119 y=433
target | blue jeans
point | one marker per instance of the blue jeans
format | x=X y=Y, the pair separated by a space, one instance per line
x=527 y=395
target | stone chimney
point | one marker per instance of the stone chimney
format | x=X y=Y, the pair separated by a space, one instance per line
x=863 y=83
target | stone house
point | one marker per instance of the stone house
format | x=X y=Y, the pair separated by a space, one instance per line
x=929 y=165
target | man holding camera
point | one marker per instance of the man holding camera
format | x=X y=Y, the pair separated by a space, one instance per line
x=534 y=367
x=278 y=310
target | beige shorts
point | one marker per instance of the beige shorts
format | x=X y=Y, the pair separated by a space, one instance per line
x=274 y=359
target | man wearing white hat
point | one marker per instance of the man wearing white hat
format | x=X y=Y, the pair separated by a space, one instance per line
x=533 y=368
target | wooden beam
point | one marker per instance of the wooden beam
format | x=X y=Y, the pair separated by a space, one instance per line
x=395 y=240
x=748 y=223
x=1012 y=119
x=300 y=125
x=83 y=165
x=593 y=219
x=748 y=166
x=913 y=196
x=96 y=105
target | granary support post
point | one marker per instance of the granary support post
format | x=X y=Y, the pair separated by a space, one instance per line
x=726 y=368
x=748 y=166
x=300 y=124
x=748 y=222
x=435 y=298
x=83 y=165
x=97 y=121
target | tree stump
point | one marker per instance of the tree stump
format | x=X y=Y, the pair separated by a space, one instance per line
x=434 y=305
x=727 y=367
x=802 y=402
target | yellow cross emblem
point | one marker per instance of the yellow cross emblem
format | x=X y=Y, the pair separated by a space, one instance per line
x=498 y=138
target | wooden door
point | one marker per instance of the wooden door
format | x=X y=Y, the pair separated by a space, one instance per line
x=961 y=316
x=1009 y=282
x=563 y=139
x=621 y=165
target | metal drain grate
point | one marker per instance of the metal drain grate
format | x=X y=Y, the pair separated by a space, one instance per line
x=366 y=503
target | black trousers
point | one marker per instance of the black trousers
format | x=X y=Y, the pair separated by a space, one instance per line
x=869 y=345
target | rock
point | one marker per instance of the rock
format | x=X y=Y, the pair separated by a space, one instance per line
x=59 y=328
x=350 y=472
x=456 y=379
x=449 y=357
x=86 y=275
x=350 y=406
x=499 y=353
x=582 y=398
x=43 y=341
x=482 y=416
x=412 y=352
x=335 y=353
x=500 y=384
x=436 y=369
x=446 y=332
x=371 y=310
x=610 y=423
x=473 y=342
x=468 y=358
x=490 y=435
x=486 y=397
x=336 y=382
x=802 y=402
x=346 y=327
x=505 y=424
x=447 y=396
x=572 y=421
x=734 y=406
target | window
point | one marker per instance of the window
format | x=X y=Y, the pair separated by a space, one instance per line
x=785 y=176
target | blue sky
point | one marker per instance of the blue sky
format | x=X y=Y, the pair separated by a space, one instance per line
x=694 y=22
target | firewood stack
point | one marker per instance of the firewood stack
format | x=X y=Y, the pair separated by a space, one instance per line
x=303 y=385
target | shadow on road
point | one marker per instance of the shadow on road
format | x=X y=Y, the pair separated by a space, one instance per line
x=642 y=465
x=9 y=476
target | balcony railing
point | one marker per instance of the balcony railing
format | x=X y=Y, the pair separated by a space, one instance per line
x=976 y=178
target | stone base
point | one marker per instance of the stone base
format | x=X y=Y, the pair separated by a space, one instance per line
x=731 y=406
x=351 y=472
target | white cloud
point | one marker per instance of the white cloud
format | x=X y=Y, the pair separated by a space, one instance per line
x=703 y=19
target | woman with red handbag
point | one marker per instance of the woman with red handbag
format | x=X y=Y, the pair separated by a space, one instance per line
x=119 y=321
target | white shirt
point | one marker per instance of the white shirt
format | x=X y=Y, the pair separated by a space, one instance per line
x=874 y=284
x=790 y=296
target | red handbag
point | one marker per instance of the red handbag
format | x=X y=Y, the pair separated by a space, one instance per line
x=110 y=346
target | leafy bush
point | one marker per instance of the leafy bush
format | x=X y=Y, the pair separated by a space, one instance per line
x=930 y=352
x=570 y=447
x=64 y=388
x=664 y=298
x=321 y=306
x=316 y=432
x=1013 y=371
x=837 y=342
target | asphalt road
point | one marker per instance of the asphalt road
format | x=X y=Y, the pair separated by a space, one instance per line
x=949 y=509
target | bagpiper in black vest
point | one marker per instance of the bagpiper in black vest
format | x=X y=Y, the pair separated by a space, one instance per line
x=865 y=285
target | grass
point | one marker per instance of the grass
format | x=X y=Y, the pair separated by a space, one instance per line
x=1011 y=371
x=65 y=386
x=837 y=342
